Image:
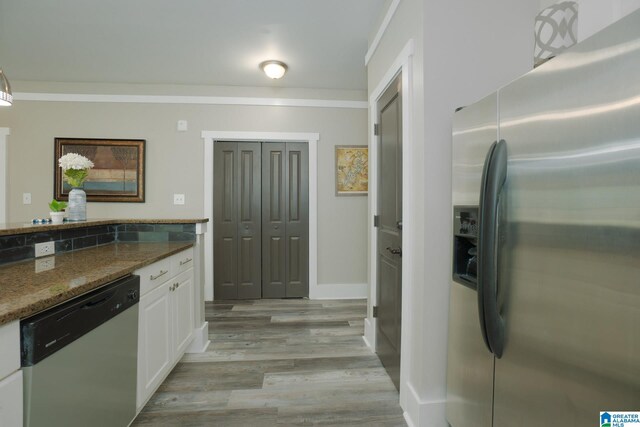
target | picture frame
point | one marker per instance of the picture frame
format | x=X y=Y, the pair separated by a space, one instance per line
x=118 y=172
x=352 y=170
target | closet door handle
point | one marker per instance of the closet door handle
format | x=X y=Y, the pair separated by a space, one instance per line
x=395 y=251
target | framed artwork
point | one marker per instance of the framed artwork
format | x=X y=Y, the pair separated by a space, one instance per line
x=352 y=170
x=117 y=174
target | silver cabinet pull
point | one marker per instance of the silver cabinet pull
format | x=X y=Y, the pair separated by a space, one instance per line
x=162 y=273
x=186 y=261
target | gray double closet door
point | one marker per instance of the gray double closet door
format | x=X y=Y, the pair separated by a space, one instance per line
x=261 y=220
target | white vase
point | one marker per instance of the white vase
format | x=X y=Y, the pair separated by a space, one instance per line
x=57 y=217
x=77 y=206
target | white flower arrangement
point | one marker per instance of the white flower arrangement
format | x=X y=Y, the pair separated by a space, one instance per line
x=75 y=168
x=74 y=161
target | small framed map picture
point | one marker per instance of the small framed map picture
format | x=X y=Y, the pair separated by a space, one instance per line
x=352 y=170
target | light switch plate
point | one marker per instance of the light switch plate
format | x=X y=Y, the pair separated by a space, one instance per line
x=178 y=199
x=182 y=125
x=26 y=198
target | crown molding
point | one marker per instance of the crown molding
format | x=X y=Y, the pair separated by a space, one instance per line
x=381 y=30
x=201 y=100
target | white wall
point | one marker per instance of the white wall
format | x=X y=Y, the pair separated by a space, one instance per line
x=464 y=50
x=174 y=159
x=471 y=49
x=4 y=133
x=594 y=15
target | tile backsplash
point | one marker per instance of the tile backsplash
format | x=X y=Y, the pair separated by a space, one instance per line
x=22 y=246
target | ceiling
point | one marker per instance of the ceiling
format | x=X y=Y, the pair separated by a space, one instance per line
x=194 y=42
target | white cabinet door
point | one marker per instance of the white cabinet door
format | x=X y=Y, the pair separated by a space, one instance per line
x=10 y=349
x=184 y=306
x=11 y=400
x=166 y=323
x=155 y=347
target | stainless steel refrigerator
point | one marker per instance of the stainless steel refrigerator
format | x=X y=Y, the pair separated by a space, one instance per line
x=544 y=323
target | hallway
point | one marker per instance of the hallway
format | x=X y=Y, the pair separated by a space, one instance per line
x=279 y=363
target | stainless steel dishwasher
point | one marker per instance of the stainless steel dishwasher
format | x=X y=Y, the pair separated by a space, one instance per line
x=79 y=359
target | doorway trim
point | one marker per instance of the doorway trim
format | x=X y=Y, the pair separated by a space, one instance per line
x=209 y=138
x=4 y=175
x=402 y=64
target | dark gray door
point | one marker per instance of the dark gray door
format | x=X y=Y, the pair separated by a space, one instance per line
x=285 y=216
x=389 y=250
x=237 y=220
x=261 y=220
x=274 y=228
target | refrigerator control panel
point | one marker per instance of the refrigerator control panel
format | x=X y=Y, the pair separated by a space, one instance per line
x=465 y=241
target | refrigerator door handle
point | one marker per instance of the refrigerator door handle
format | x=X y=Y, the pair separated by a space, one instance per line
x=494 y=175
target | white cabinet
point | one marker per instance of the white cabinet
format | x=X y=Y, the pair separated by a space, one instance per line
x=155 y=350
x=183 y=313
x=166 y=320
x=10 y=376
x=182 y=261
x=11 y=400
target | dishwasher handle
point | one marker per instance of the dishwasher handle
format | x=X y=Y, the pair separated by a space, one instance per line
x=98 y=302
x=87 y=306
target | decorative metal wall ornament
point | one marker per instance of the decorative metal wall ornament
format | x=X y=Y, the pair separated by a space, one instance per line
x=556 y=29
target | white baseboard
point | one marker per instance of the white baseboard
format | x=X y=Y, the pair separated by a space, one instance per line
x=339 y=291
x=407 y=419
x=370 y=333
x=368 y=344
x=418 y=412
x=200 y=339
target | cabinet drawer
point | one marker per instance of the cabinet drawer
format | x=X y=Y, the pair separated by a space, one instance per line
x=10 y=345
x=154 y=275
x=182 y=261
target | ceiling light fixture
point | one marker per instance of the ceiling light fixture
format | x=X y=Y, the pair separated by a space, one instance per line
x=6 y=98
x=274 y=69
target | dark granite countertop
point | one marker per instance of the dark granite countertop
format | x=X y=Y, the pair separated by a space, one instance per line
x=24 y=292
x=27 y=227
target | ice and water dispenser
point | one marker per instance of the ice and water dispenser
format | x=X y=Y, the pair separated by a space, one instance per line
x=465 y=245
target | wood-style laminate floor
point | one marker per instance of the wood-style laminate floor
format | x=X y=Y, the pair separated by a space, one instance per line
x=279 y=363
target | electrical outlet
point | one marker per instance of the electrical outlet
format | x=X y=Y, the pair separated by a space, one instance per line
x=26 y=198
x=178 y=199
x=44 y=264
x=44 y=249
